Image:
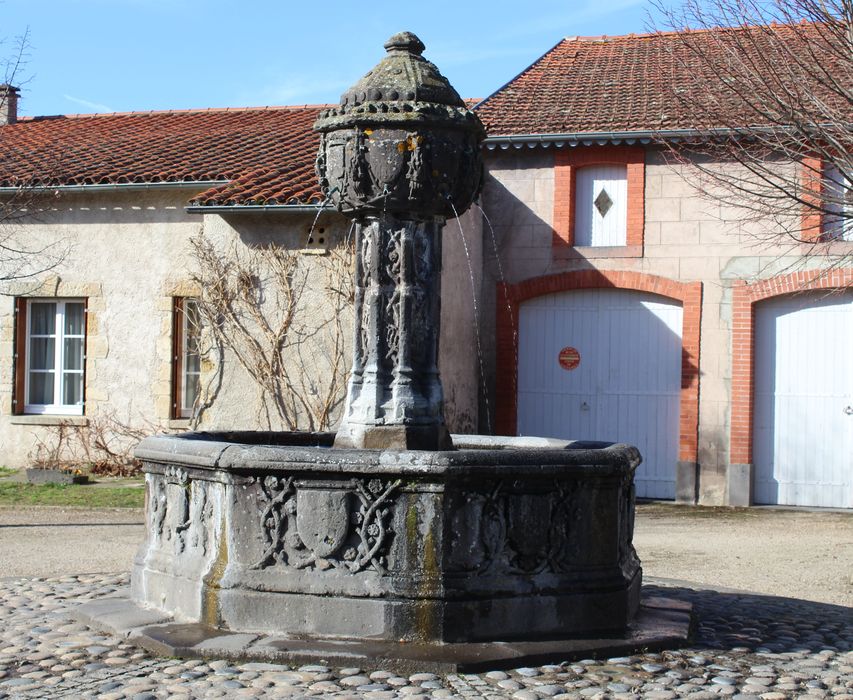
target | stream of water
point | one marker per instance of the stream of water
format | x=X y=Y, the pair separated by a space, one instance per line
x=476 y=316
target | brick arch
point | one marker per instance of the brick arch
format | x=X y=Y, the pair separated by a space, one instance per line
x=511 y=296
x=744 y=298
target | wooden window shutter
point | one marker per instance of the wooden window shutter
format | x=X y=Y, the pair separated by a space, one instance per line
x=85 y=349
x=177 y=355
x=20 y=356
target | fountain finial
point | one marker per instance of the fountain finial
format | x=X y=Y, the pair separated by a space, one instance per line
x=405 y=41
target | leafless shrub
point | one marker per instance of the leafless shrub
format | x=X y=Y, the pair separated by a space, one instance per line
x=283 y=317
x=103 y=445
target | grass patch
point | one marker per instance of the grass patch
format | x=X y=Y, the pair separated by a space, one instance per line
x=81 y=496
x=6 y=471
x=656 y=509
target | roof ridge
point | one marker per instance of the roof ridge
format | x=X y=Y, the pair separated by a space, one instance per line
x=197 y=110
x=519 y=74
x=675 y=32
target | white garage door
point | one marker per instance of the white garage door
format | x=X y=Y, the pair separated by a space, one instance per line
x=803 y=422
x=625 y=386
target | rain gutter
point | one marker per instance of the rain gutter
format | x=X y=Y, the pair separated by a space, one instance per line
x=250 y=208
x=114 y=187
x=595 y=138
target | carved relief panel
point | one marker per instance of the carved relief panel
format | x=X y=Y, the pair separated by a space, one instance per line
x=180 y=512
x=500 y=530
x=348 y=528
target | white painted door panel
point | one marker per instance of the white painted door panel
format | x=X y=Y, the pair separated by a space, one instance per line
x=627 y=385
x=803 y=431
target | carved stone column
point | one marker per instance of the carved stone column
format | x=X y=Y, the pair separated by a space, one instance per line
x=395 y=396
x=400 y=155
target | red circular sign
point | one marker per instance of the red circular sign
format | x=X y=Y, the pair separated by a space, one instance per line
x=569 y=358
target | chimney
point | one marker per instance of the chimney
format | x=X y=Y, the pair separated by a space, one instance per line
x=8 y=104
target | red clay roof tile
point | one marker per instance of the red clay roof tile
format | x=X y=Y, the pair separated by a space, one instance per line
x=627 y=83
x=266 y=149
x=265 y=156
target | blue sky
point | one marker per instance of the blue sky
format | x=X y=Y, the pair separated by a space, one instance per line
x=121 y=55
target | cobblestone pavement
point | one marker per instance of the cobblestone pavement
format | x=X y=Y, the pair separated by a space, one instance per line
x=747 y=647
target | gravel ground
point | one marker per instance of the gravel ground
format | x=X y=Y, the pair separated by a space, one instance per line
x=748 y=646
x=795 y=553
x=54 y=541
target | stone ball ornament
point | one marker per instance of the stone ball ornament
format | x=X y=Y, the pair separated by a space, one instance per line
x=401 y=141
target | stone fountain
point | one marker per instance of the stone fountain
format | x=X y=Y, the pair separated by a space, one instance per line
x=391 y=541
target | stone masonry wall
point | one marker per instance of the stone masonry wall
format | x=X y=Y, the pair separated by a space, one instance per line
x=128 y=253
x=121 y=250
x=687 y=238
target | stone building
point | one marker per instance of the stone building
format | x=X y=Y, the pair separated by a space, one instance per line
x=612 y=300
x=627 y=305
x=106 y=338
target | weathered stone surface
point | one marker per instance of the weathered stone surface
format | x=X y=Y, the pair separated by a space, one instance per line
x=654 y=628
x=401 y=142
x=465 y=545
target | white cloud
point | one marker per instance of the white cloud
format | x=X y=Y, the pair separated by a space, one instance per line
x=94 y=106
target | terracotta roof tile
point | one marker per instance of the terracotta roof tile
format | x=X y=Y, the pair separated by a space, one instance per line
x=267 y=154
x=621 y=84
x=263 y=156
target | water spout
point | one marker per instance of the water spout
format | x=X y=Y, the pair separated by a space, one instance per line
x=322 y=206
x=476 y=315
x=504 y=288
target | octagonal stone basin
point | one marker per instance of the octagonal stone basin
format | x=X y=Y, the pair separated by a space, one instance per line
x=499 y=539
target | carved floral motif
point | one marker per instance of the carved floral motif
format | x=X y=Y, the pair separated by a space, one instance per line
x=422 y=338
x=201 y=512
x=518 y=533
x=416 y=165
x=392 y=328
x=180 y=511
x=319 y=529
x=362 y=316
x=394 y=256
x=423 y=257
x=157 y=507
x=359 y=173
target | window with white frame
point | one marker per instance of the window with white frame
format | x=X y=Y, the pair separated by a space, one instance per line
x=601 y=205
x=838 y=202
x=187 y=356
x=55 y=347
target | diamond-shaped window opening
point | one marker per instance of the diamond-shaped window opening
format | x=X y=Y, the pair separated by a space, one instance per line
x=603 y=202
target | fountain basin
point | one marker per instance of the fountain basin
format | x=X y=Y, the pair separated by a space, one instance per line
x=279 y=533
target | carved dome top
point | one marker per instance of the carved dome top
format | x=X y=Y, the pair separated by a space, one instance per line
x=403 y=88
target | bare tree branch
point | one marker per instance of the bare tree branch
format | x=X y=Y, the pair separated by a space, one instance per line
x=22 y=255
x=285 y=322
x=104 y=445
x=767 y=89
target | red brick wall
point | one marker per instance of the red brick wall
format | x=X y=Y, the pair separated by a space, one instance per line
x=744 y=298
x=510 y=296
x=566 y=163
x=812 y=182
